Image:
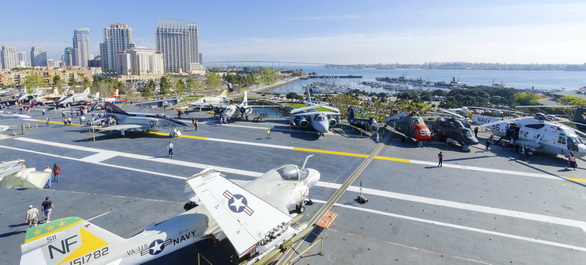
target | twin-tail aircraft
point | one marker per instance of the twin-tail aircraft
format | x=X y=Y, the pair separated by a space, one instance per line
x=254 y=218
x=310 y=116
x=358 y=118
x=241 y=110
x=120 y=120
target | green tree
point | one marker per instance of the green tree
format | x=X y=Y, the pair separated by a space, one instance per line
x=164 y=85
x=71 y=81
x=57 y=82
x=342 y=101
x=409 y=95
x=31 y=82
x=86 y=82
x=180 y=86
x=213 y=80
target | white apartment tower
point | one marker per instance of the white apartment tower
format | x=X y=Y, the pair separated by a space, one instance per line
x=22 y=59
x=140 y=61
x=118 y=37
x=177 y=40
x=81 y=47
x=9 y=56
x=38 y=57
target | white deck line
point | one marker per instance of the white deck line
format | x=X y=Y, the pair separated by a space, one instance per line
x=461 y=227
x=386 y=194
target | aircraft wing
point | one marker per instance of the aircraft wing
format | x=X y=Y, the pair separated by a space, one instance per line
x=122 y=127
x=243 y=217
x=314 y=107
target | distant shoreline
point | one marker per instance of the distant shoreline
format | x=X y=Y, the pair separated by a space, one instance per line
x=466 y=66
x=271 y=87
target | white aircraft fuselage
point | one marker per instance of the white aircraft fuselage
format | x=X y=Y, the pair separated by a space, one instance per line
x=75 y=241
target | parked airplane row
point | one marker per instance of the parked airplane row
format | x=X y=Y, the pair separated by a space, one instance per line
x=64 y=99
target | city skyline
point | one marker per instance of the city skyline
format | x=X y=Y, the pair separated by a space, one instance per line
x=340 y=32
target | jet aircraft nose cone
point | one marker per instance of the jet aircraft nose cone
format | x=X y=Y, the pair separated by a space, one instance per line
x=321 y=126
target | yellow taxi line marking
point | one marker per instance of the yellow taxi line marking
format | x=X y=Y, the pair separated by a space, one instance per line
x=328 y=152
x=58 y=122
x=393 y=159
x=577 y=180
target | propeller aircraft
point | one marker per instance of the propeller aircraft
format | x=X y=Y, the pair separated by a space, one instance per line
x=241 y=110
x=253 y=217
x=354 y=117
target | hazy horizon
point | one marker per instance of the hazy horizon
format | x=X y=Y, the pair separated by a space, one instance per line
x=340 y=32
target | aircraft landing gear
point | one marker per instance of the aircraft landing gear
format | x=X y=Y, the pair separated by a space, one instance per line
x=300 y=208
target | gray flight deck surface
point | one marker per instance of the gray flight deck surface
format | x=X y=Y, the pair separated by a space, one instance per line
x=479 y=208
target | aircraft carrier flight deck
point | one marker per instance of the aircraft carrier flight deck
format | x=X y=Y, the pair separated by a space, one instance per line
x=480 y=207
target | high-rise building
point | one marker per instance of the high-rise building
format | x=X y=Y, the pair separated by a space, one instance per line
x=9 y=56
x=67 y=56
x=81 y=47
x=118 y=37
x=177 y=40
x=38 y=56
x=22 y=59
x=140 y=61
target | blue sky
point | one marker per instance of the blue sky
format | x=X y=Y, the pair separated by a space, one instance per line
x=344 y=32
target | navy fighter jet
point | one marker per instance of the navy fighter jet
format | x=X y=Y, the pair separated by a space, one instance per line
x=120 y=120
x=254 y=218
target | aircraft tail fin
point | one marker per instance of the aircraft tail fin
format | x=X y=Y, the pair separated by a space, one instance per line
x=110 y=107
x=224 y=94
x=245 y=99
x=86 y=91
x=115 y=93
x=65 y=240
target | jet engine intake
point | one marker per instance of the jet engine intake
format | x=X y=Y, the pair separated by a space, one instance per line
x=303 y=123
x=333 y=122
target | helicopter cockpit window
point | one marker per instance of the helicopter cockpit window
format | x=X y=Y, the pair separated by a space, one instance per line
x=574 y=140
x=466 y=133
x=562 y=140
x=416 y=120
x=458 y=124
x=292 y=172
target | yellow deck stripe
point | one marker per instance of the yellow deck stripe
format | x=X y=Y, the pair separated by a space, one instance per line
x=328 y=152
x=393 y=159
x=58 y=122
x=577 y=180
